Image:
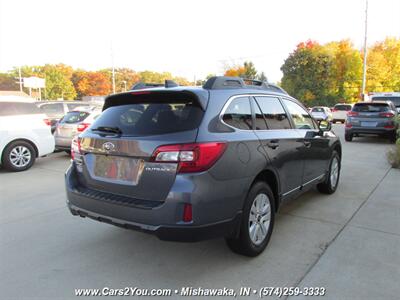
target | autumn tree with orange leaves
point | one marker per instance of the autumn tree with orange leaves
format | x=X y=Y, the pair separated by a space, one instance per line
x=91 y=83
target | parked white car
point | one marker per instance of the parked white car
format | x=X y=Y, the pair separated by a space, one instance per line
x=339 y=112
x=24 y=134
x=321 y=113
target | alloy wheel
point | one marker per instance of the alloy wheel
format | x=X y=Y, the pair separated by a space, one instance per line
x=334 y=174
x=20 y=156
x=259 y=219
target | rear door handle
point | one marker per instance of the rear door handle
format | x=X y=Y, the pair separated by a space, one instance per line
x=273 y=144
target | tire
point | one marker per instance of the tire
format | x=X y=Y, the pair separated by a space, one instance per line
x=18 y=156
x=342 y=121
x=393 y=138
x=348 y=137
x=68 y=152
x=245 y=243
x=331 y=182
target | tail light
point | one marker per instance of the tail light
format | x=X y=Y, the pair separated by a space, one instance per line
x=348 y=125
x=47 y=122
x=196 y=157
x=75 y=148
x=352 y=113
x=389 y=126
x=82 y=126
x=187 y=213
x=386 y=115
x=334 y=109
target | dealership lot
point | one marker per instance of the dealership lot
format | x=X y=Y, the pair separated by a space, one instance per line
x=342 y=242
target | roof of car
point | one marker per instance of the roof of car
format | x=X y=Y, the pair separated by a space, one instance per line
x=374 y=102
x=227 y=85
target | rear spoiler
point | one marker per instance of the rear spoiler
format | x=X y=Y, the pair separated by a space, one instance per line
x=131 y=97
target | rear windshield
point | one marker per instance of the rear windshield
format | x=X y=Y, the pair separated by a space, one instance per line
x=74 y=117
x=317 y=109
x=395 y=100
x=343 y=107
x=371 y=107
x=151 y=118
x=18 y=108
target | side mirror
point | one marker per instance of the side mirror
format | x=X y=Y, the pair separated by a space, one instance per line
x=324 y=126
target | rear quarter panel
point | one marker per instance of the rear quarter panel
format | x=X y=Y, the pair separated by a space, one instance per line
x=28 y=127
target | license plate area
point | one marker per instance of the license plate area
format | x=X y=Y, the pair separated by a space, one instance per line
x=369 y=124
x=117 y=169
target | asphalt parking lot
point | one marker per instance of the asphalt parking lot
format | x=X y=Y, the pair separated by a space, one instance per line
x=348 y=242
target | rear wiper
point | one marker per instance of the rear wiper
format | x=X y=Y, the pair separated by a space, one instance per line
x=110 y=129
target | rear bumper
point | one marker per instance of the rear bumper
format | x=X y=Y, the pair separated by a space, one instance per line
x=162 y=219
x=63 y=143
x=366 y=130
x=181 y=233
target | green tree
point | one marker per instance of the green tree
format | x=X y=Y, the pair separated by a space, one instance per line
x=8 y=82
x=307 y=74
x=346 y=71
x=262 y=77
x=250 y=71
x=383 y=66
x=58 y=85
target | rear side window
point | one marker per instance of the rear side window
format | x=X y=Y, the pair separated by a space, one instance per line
x=238 y=114
x=18 y=108
x=273 y=112
x=342 y=107
x=74 y=117
x=152 y=118
x=371 y=107
x=317 y=109
x=301 y=118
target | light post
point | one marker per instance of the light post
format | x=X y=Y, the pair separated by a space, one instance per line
x=124 y=82
x=364 y=80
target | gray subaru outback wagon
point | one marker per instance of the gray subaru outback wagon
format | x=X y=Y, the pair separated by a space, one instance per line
x=191 y=163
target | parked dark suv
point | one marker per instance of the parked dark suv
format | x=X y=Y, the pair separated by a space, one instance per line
x=189 y=163
x=376 y=118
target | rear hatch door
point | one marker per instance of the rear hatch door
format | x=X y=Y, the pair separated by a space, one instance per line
x=118 y=146
x=68 y=125
x=371 y=115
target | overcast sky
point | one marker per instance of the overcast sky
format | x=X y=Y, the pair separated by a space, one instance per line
x=187 y=38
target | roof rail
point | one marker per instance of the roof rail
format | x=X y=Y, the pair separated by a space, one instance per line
x=225 y=82
x=143 y=85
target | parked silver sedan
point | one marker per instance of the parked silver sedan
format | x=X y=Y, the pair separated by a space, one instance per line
x=72 y=124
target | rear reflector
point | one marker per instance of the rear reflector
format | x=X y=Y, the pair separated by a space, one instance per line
x=75 y=147
x=389 y=126
x=187 y=213
x=196 y=157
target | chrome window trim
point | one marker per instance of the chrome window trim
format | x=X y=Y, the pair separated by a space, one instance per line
x=248 y=96
x=225 y=107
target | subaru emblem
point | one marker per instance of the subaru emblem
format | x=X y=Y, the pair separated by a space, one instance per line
x=108 y=146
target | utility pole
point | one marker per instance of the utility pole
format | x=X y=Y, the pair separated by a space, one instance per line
x=364 y=80
x=113 y=69
x=20 y=79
